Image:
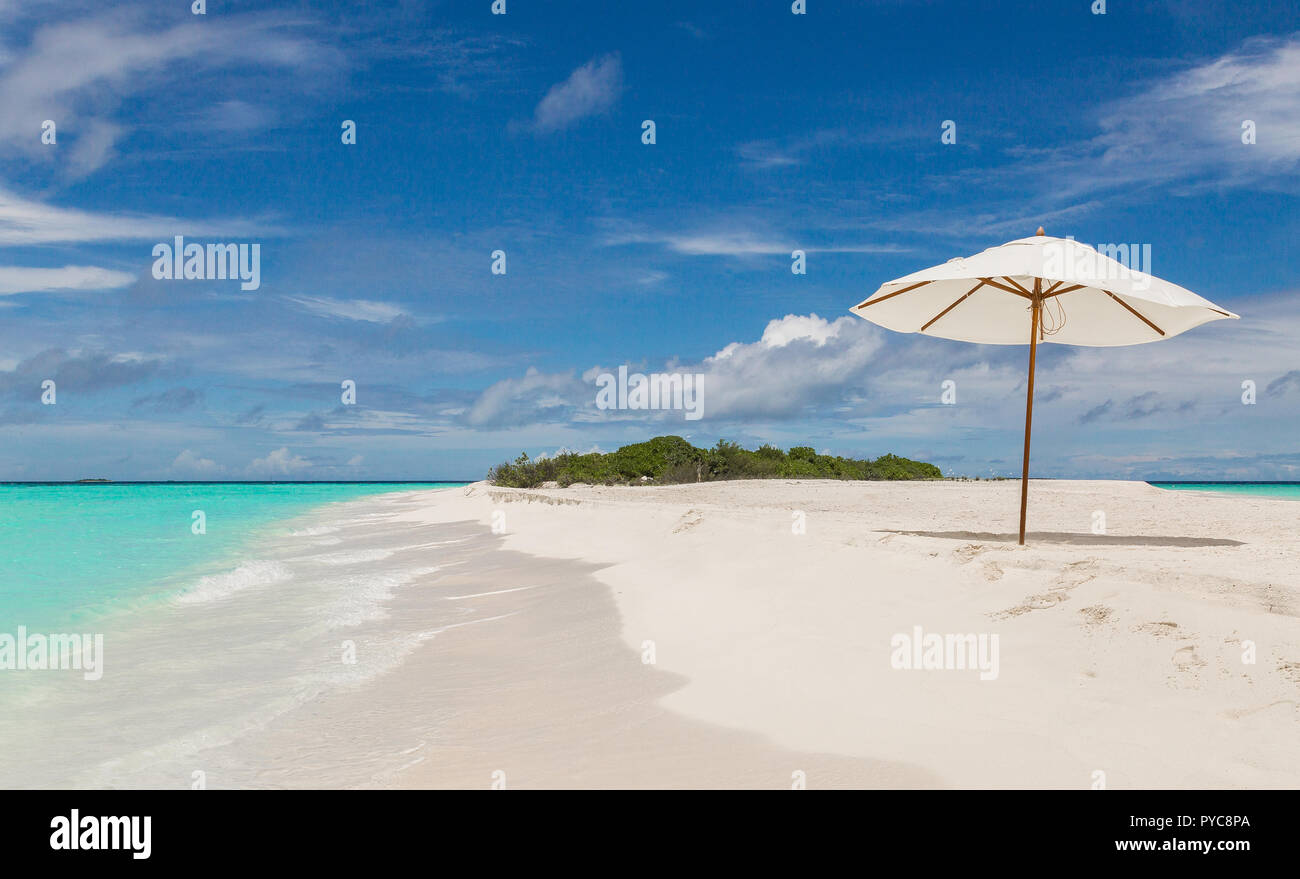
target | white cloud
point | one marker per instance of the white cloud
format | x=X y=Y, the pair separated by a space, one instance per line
x=762 y=154
x=25 y=222
x=1202 y=109
x=463 y=63
x=536 y=397
x=236 y=116
x=592 y=88
x=801 y=364
x=280 y=462
x=1180 y=131
x=77 y=72
x=17 y=279
x=190 y=463
x=784 y=152
x=349 y=309
x=739 y=242
x=793 y=327
x=846 y=380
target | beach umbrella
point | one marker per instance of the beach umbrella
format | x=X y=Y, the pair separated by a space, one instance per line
x=1039 y=289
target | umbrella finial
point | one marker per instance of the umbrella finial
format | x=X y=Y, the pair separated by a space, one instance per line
x=1040 y=231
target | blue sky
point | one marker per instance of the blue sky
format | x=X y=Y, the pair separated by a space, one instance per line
x=522 y=132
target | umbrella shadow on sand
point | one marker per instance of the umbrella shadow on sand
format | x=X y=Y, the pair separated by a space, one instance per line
x=1076 y=539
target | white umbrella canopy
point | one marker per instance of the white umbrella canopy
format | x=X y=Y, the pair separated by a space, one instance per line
x=1084 y=291
x=1038 y=289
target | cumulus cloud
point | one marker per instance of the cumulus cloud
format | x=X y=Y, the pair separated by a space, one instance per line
x=193 y=464
x=280 y=462
x=845 y=381
x=592 y=88
x=535 y=398
x=800 y=363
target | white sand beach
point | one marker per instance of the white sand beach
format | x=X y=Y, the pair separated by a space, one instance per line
x=473 y=636
x=1120 y=653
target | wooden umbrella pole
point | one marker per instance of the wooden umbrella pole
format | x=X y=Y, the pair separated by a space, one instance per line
x=1029 y=403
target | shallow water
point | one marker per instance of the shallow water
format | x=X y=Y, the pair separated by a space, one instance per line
x=70 y=553
x=1262 y=489
x=199 y=659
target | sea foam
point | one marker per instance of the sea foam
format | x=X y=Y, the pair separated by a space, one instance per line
x=249 y=575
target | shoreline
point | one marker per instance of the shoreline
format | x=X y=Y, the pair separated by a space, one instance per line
x=215 y=651
x=525 y=651
x=1138 y=629
x=536 y=683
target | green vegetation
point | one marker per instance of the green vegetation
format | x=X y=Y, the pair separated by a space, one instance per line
x=671 y=459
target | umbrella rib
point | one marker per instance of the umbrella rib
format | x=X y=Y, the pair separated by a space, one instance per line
x=992 y=283
x=1052 y=291
x=959 y=301
x=1023 y=291
x=870 y=301
x=1134 y=312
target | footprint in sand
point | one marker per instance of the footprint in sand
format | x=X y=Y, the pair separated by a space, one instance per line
x=992 y=571
x=1185 y=658
x=1096 y=614
x=1072 y=576
x=1159 y=628
x=689 y=520
x=1041 y=601
x=1075 y=574
x=964 y=554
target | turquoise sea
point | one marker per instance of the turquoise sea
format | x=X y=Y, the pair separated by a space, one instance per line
x=204 y=641
x=1262 y=489
x=71 y=552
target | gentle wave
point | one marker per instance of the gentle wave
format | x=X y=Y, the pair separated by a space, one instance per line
x=350 y=557
x=249 y=575
x=315 y=531
x=366 y=599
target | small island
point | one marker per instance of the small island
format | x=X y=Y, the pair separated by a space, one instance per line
x=96 y=480
x=667 y=460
